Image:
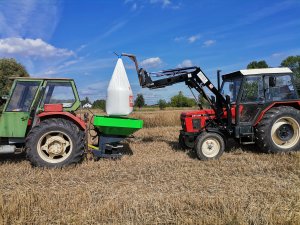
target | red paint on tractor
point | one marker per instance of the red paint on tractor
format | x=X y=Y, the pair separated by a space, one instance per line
x=295 y=104
x=72 y=117
x=203 y=115
x=53 y=107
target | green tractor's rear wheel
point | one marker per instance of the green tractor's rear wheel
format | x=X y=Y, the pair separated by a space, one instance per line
x=55 y=143
x=209 y=146
x=279 y=130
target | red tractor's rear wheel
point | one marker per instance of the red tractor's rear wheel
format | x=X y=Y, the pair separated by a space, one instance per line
x=55 y=143
x=209 y=146
x=279 y=130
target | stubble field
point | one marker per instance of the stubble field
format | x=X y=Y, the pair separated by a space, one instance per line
x=155 y=182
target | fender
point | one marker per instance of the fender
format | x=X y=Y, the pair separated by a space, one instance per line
x=295 y=104
x=68 y=115
x=217 y=131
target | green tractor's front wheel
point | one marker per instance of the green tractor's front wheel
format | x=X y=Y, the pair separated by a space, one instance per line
x=55 y=143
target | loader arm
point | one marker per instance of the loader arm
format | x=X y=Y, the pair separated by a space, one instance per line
x=193 y=77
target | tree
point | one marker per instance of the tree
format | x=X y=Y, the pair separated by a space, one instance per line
x=293 y=62
x=182 y=101
x=10 y=68
x=203 y=102
x=99 y=104
x=162 y=104
x=86 y=100
x=139 y=101
x=257 y=64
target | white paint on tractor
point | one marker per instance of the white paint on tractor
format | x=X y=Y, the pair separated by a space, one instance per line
x=266 y=71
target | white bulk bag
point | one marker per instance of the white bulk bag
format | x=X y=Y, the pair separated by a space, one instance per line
x=119 y=101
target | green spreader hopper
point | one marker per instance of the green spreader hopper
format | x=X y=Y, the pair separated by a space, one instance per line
x=117 y=126
x=111 y=131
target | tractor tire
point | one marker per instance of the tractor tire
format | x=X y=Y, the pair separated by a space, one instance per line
x=209 y=146
x=279 y=130
x=55 y=143
x=184 y=143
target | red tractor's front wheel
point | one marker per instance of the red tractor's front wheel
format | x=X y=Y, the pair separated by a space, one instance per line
x=55 y=143
x=209 y=146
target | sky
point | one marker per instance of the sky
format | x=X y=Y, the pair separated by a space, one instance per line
x=77 y=38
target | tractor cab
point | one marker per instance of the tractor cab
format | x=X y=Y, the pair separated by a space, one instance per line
x=32 y=96
x=253 y=91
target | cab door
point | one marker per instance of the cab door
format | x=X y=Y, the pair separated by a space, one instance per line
x=14 y=119
x=252 y=99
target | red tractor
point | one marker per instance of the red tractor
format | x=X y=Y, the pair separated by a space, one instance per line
x=254 y=106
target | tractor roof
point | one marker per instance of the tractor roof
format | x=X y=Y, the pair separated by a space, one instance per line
x=38 y=78
x=274 y=71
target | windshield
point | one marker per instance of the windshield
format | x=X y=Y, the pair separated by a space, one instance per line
x=231 y=88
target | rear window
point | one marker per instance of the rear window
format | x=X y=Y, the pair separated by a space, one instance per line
x=279 y=88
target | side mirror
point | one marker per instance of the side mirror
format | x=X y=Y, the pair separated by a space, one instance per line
x=272 y=81
x=3 y=99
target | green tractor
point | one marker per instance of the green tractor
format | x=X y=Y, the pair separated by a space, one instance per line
x=39 y=118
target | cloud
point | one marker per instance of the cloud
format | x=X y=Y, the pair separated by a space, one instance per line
x=139 y=4
x=31 y=47
x=77 y=66
x=164 y=3
x=276 y=54
x=114 y=28
x=193 y=38
x=186 y=63
x=134 y=7
x=81 y=47
x=96 y=90
x=151 y=62
x=30 y=18
x=178 y=39
x=209 y=43
x=190 y=39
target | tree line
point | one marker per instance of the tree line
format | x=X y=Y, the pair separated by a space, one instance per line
x=179 y=100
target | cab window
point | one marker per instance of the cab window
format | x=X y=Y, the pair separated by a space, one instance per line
x=59 y=92
x=231 y=88
x=252 y=90
x=279 y=88
x=22 y=96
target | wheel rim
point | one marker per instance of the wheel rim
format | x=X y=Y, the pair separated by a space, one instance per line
x=54 y=147
x=285 y=132
x=210 y=147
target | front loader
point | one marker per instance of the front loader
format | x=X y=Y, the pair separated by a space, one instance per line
x=254 y=106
